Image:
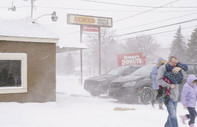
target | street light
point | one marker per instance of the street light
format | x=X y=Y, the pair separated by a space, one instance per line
x=53 y=17
x=13 y=8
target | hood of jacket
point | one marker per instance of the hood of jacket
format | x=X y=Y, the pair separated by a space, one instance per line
x=158 y=60
x=190 y=79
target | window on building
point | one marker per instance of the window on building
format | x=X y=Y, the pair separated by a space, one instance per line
x=13 y=73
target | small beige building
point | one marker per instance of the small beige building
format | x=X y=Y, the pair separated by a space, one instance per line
x=27 y=62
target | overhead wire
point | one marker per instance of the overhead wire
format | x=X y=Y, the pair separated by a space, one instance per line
x=160 y=32
x=16 y=6
x=119 y=20
x=158 y=21
x=97 y=10
x=138 y=6
x=140 y=31
x=103 y=10
x=109 y=3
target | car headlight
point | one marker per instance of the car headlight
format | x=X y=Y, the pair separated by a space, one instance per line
x=128 y=84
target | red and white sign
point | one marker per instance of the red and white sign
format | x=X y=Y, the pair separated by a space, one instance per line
x=90 y=29
x=131 y=59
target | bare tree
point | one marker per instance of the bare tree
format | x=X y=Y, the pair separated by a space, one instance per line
x=110 y=48
x=144 y=44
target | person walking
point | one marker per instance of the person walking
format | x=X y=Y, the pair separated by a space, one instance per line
x=174 y=90
x=188 y=99
x=155 y=86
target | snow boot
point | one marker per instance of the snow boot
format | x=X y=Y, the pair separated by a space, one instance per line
x=191 y=125
x=153 y=103
x=183 y=118
x=160 y=104
x=161 y=107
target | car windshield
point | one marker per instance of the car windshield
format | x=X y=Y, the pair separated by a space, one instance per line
x=117 y=70
x=143 y=71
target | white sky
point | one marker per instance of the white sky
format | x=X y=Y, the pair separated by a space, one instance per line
x=70 y=33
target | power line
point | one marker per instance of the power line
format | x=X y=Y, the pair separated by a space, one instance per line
x=148 y=23
x=145 y=11
x=16 y=6
x=109 y=3
x=98 y=10
x=160 y=32
x=141 y=6
x=104 y=10
x=158 y=21
x=80 y=9
x=156 y=28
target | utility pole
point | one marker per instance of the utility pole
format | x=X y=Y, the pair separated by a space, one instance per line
x=32 y=8
x=91 y=21
x=81 y=54
x=99 y=38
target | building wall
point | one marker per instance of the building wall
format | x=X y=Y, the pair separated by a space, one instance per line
x=41 y=71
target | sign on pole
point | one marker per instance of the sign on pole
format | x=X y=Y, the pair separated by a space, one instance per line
x=90 y=29
x=89 y=20
x=89 y=24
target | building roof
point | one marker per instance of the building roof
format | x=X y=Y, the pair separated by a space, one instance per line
x=66 y=47
x=26 y=31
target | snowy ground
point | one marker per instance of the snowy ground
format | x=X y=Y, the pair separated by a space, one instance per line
x=76 y=108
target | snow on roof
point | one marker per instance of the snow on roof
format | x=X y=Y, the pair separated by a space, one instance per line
x=25 y=30
x=68 y=46
x=15 y=27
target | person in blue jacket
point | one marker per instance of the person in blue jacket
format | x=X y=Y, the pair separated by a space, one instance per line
x=155 y=86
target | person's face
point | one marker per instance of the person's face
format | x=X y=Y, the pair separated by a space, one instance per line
x=173 y=62
x=193 y=83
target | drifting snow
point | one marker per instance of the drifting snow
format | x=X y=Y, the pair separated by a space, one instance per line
x=76 y=108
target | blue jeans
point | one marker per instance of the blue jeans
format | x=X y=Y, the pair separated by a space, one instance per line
x=172 y=119
x=191 y=115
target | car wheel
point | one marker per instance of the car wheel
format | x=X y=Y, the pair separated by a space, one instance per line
x=145 y=95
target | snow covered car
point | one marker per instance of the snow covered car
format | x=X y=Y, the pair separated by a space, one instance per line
x=98 y=85
x=137 y=87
